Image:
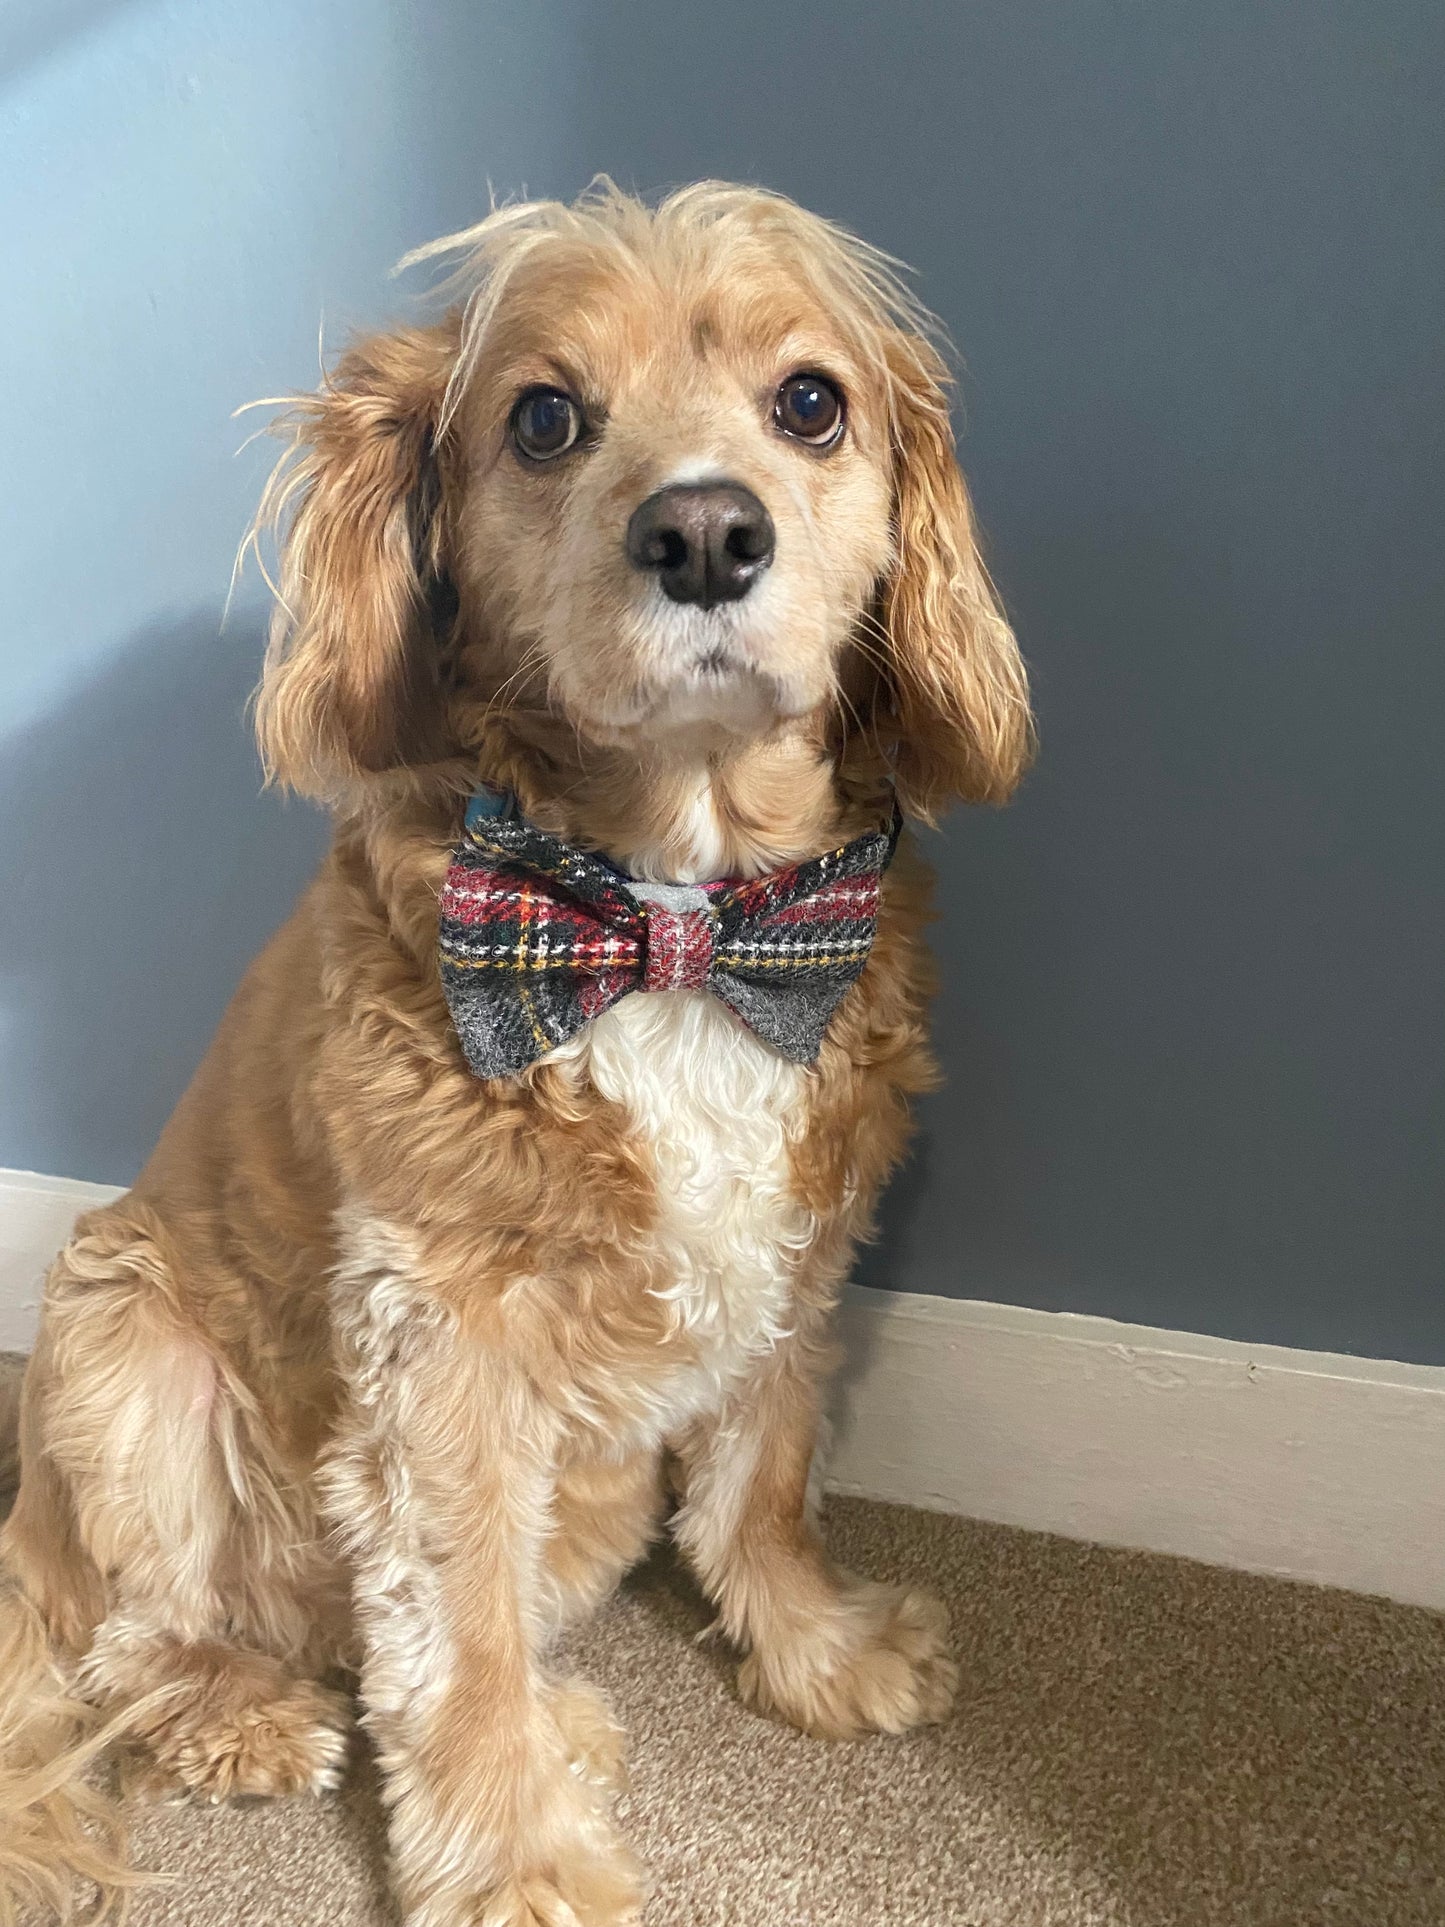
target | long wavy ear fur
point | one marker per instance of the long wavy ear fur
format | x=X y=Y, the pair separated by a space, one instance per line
x=958 y=701
x=350 y=682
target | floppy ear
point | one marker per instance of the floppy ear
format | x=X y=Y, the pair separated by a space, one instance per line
x=958 y=693
x=350 y=683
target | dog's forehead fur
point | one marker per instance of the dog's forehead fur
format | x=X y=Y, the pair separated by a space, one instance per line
x=662 y=325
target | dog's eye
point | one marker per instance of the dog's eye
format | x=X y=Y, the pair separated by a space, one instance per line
x=545 y=422
x=810 y=409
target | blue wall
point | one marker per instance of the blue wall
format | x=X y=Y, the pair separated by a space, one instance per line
x=1195 y=254
x=186 y=192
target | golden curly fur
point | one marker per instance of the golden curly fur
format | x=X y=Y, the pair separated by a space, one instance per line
x=381 y=1370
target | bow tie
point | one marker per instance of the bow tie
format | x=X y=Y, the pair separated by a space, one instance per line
x=539 y=938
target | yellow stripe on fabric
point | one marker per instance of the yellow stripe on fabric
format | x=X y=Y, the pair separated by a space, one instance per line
x=539 y=1035
x=524 y=916
x=740 y=960
x=559 y=962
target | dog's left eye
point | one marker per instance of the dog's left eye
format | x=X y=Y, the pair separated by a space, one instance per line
x=810 y=409
x=545 y=422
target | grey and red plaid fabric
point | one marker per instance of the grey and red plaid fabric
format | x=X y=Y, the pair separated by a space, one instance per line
x=539 y=938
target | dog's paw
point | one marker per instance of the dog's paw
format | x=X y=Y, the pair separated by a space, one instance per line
x=596 y=1745
x=591 y=1890
x=883 y=1666
x=256 y=1748
x=540 y=1902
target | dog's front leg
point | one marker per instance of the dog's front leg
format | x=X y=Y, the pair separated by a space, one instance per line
x=440 y=1481
x=834 y=1654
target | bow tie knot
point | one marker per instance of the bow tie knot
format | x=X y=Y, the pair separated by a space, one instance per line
x=679 y=947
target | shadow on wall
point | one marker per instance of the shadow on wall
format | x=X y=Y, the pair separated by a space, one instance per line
x=878 y=1264
x=140 y=864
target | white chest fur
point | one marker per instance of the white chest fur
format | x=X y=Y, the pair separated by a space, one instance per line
x=719 y=1109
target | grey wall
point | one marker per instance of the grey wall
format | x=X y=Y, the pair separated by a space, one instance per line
x=1193 y=252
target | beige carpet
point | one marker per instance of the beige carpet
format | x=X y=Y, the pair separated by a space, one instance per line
x=1139 y=1742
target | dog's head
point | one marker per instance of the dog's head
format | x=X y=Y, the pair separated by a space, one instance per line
x=680 y=478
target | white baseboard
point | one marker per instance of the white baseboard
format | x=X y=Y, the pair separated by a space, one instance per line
x=1304 y=1464
x=36 y=1214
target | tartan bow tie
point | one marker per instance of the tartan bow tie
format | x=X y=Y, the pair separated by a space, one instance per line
x=539 y=938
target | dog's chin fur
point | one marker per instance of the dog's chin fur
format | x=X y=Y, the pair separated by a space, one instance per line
x=385 y=1368
x=706 y=711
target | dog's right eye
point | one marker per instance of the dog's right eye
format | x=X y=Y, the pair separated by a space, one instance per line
x=545 y=422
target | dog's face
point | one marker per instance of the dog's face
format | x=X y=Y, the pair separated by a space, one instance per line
x=678 y=490
x=675 y=478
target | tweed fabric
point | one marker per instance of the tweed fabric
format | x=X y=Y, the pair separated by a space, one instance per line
x=537 y=938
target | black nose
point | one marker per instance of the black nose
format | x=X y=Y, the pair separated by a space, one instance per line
x=706 y=542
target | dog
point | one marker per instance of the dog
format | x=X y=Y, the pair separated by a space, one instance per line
x=628 y=602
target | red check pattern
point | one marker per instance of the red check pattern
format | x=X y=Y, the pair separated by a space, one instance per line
x=679 y=949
